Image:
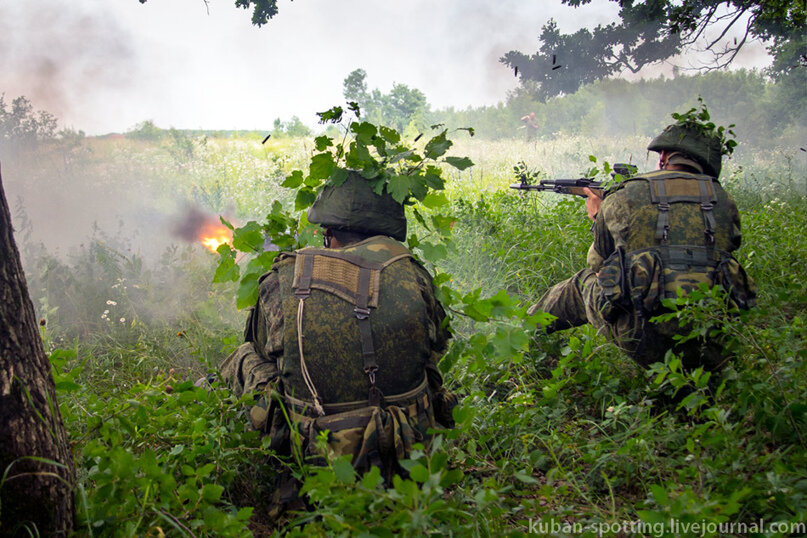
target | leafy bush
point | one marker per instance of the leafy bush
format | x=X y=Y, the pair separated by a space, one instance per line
x=560 y=428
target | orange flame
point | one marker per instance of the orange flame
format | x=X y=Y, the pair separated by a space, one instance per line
x=215 y=235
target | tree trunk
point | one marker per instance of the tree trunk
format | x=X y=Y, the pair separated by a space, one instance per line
x=35 y=495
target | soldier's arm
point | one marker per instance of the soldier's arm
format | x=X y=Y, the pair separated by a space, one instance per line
x=254 y=363
x=603 y=244
x=438 y=331
x=736 y=233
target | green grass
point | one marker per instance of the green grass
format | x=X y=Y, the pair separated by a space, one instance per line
x=556 y=428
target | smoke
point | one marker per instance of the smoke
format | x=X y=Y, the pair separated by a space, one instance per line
x=191 y=222
x=58 y=54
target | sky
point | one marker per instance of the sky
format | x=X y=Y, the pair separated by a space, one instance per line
x=106 y=65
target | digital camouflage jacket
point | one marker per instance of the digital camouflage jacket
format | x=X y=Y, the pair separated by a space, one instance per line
x=407 y=331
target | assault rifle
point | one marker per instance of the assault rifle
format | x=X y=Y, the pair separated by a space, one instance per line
x=572 y=186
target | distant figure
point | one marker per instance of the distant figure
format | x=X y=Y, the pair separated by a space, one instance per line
x=656 y=233
x=346 y=339
x=531 y=125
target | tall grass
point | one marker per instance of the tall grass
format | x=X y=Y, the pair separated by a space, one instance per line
x=556 y=428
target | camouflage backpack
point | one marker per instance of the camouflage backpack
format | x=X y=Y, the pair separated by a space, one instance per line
x=357 y=357
x=660 y=259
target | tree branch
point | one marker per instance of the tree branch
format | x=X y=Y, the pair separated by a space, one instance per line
x=728 y=27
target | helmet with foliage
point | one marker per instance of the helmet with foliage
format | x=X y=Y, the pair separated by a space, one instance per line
x=353 y=206
x=704 y=149
x=695 y=135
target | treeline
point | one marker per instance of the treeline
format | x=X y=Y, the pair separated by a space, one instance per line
x=764 y=112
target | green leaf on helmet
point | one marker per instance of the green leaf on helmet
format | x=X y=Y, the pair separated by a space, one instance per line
x=247 y=294
x=305 y=197
x=460 y=163
x=358 y=157
x=248 y=238
x=338 y=176
x=321 y=166
x=398 y=187
x=227 y=270
x=435 y=199
x=364 y=131
x=437 y=146
x=390 y=135
x=293 y=180
x=418 y=187
x=323 y=142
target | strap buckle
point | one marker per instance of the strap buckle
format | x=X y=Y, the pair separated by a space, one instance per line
x=370 y=371
x=362 y=313
x=663 y=206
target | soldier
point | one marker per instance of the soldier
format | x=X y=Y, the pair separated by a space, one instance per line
x=653 y=234
x=346 y=338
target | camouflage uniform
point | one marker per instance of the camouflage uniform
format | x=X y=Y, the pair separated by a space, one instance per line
x=628 y=227
x=307 y=357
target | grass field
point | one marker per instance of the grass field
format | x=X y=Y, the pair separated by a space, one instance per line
x=558 y=433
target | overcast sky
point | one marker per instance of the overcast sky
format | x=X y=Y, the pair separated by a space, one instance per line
x=105 y=65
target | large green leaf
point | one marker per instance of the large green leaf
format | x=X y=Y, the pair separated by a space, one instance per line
x=249 y=238
x=321 y=166
x=398 y=186
x=437 y=146
x=293 y=180
x=460 y=163
x=305 y=197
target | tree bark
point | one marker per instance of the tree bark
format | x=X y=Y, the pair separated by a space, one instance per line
x=35 y=496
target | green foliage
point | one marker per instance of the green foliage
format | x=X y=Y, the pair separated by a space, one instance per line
x=293 y=127
x=156 y=457
x=651 y=32
x=556 y=428
x=401 y=107
x=146 y=130
x=380 y=155
x=764 y=112
x=21 y=126
x=698 y=119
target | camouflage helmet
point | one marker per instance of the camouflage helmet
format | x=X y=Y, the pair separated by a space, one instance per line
x=705 y=149
x=354 y=207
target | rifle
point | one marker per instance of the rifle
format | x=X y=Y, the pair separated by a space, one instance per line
x=573 y=186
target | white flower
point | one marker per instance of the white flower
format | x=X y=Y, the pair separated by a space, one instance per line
x=123 y=320
x=113 y=303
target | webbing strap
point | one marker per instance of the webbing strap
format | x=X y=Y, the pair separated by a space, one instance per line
x=688 y=257
x=303 y=292
x=366 y=333
x=405 y=398
x=708 y=201
x=706 y=197
x=304 y=285
x=663 y=222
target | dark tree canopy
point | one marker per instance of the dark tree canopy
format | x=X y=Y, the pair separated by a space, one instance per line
x=654 y=30
x=262 y=10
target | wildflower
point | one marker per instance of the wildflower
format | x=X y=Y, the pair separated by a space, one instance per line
x=610 y=409
x=113 y=303
x=123 y=320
